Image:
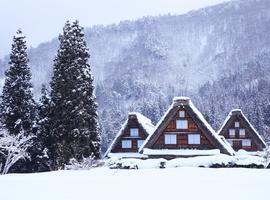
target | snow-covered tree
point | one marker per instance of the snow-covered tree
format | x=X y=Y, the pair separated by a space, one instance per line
x=74 y=109
x=13 y=148
x=43 y=141
x=17 y=104
x=43 y=115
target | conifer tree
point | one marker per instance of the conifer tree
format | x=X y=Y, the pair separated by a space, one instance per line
x=43 y=115
x=41 y=160
x=74 y=109
x=17 y=104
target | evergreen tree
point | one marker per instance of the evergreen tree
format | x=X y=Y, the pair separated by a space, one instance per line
x=17 y=104
x=41 y=160
x=43 y=110
x=74 y=109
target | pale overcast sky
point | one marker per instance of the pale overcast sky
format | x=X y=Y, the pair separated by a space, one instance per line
x=42 y=20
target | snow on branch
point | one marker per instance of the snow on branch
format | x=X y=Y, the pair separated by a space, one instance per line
x=13 y=148
x=84 y=164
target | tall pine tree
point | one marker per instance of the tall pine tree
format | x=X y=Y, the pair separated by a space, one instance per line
x=17 y=103
x=74 y=110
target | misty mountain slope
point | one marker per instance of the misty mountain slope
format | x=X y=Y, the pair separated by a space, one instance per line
x=247 y=89
x=201 y=45
x=140 y=65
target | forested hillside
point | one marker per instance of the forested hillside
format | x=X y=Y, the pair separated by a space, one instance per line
x=219 y=56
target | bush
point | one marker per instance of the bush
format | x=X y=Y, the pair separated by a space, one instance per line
x=86 y=163
x=123 y=165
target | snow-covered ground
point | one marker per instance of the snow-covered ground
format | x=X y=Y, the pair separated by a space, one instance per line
x=241 y=159
x=159 y=184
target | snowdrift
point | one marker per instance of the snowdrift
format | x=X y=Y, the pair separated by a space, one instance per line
x=215 y=161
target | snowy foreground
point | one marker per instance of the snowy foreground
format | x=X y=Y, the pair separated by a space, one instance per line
x=159 y=184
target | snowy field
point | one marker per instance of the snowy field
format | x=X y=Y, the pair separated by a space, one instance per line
x=159 y=184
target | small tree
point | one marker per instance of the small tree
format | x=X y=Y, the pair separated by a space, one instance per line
x=43 y=142
x=13 y=148
x=43 y=115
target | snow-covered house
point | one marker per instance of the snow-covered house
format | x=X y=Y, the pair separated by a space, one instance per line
x=240 y=133
x=184 y=132
x=131 y=136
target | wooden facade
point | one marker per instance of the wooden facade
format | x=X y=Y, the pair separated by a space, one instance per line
x=132 y=135
x=182 y=134
x=239 y=132
x=184 y=128
x=132 y=123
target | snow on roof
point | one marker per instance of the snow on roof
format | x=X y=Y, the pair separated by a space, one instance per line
x=245 y=118
x=180 y=152
x=225 y=141
x=214 y=134
x=176 y=100
x=145 y=122
x=142 y=120
x=181 y=98
x=236 y=110
x=158 y=124
x=116 y=137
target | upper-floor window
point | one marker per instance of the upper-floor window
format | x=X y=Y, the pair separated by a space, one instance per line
x=139 y=143
x=170 y=139
x=236 y=124
x=181 y=124
x=242 y=132
x=126 y=144
x=194 y=139
x=232 y=133
x=182 y=114
x=246 y=143
x=134 y=132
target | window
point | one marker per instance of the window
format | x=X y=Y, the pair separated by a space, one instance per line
x=230 y=142
x=242 y=132
x=170 y=139
x=126 y=144
x=139 y=143
x=194 y=139
x=236 y=124
x=181 y=124
x=232 y=133
x=246 y=143
x=182 y=114
x=134 y=132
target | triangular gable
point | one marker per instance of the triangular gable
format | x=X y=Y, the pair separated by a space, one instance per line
x=144 y=123
x=198 y=118
x=254 y=134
